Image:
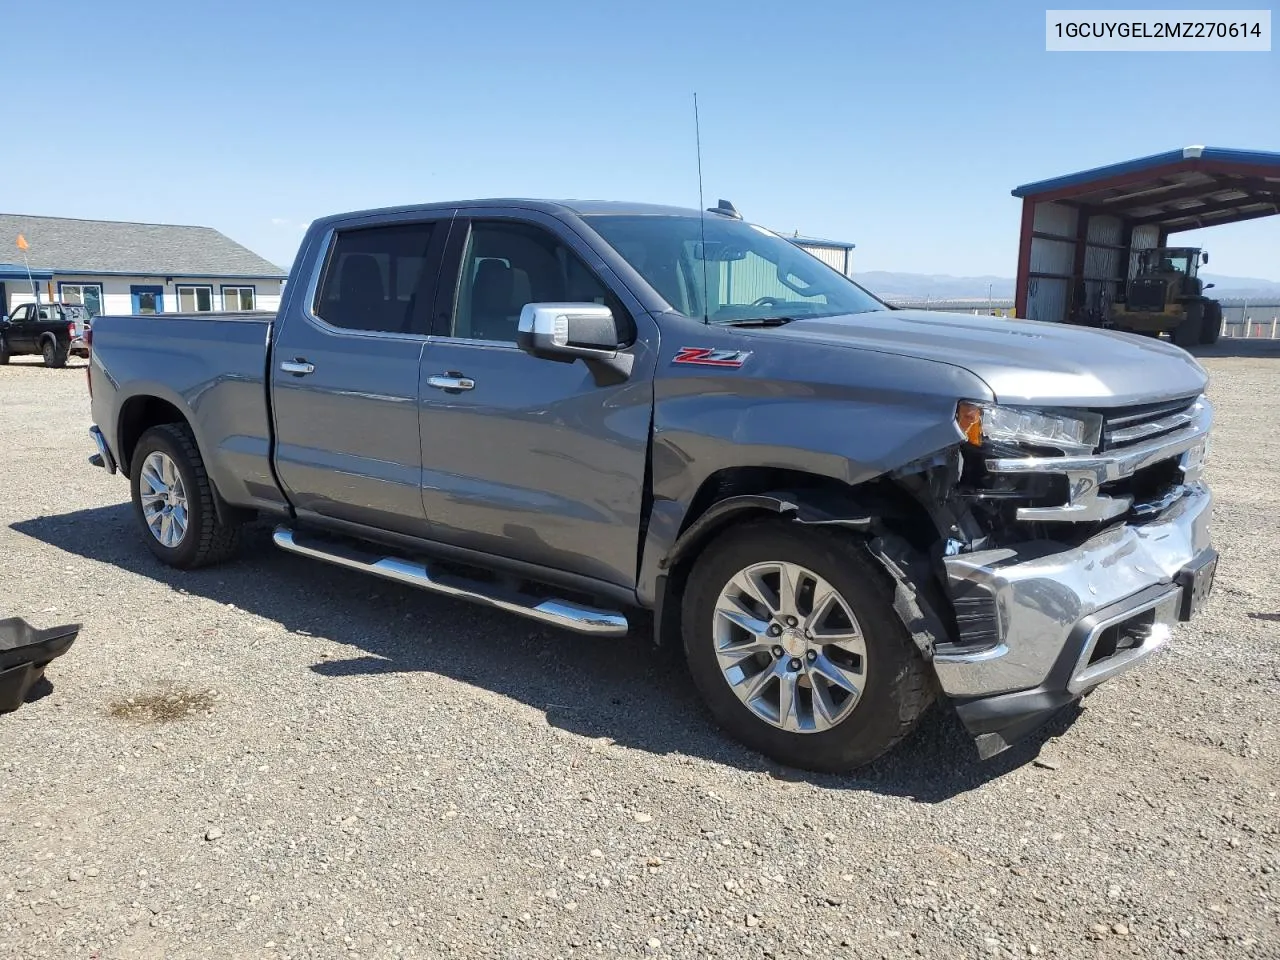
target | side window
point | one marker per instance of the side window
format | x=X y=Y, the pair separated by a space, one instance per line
x=375 y=279
x=508 y=264
x=19 y=314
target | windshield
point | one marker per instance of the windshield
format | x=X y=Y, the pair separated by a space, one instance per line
x=1171 y=261
x=741 y=271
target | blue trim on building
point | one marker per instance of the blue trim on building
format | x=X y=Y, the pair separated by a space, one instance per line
x=139 y=288
x=1218 y=154
x=18 y=271
x=237 y=286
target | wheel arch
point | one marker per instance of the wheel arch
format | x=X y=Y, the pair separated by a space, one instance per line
x=895 y=525
x=138 y=414
x=142 y=411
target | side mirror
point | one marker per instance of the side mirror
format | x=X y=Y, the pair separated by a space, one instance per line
x=1209 y=286
x=566 y=332
x=1204 y=256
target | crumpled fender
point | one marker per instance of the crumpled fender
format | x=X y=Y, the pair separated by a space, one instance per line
x=904 y=566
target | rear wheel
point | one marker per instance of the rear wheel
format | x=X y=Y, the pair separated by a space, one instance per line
x=55 y=354
x=173 y=500
x=792 y=640
x=1187 y=333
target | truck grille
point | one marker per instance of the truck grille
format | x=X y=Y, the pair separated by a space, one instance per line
x=1130 y=425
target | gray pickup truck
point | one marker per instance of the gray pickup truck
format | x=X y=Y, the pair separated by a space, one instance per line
x=577 y=411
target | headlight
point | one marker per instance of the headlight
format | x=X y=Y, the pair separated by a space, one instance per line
x=1073 y=431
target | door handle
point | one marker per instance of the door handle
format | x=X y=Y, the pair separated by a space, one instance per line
x=451 y=382
x=298 y=367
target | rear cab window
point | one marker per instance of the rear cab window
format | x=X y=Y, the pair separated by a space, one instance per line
x=380 y=279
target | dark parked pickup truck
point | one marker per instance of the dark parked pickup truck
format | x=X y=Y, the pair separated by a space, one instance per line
x=51 y=330
x=572 y=411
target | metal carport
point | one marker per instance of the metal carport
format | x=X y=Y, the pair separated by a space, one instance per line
x=1080 y=231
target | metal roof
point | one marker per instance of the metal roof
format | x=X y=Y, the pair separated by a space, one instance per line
x=1178 y=190
x=111 y=247
x=819 y=242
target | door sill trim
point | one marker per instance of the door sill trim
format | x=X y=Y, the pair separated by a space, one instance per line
x=565 y=614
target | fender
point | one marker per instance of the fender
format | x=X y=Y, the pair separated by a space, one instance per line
x=224 y=511
x=905 y=567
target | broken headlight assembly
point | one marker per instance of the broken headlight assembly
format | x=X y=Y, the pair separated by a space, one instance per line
x=1046 y=431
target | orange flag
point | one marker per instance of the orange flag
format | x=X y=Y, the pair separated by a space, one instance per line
x=22 y=242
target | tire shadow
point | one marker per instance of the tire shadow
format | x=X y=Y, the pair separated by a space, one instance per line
x=628 y=690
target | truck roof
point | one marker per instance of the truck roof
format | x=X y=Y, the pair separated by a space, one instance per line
x=576 y=207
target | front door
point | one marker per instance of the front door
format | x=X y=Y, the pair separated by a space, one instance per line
x=527 y=458
x=147 y=299
x=18 y=331
x=345 y=377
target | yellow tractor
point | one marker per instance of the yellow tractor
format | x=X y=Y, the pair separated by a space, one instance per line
x=1166 y=296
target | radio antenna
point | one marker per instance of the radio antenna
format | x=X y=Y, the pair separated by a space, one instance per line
x=702 y=207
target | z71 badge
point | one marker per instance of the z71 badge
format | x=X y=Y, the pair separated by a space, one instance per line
x=707 y=357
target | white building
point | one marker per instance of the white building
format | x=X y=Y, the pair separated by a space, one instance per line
x=115 y=267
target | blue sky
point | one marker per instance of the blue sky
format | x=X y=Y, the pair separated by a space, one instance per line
x=899 y=126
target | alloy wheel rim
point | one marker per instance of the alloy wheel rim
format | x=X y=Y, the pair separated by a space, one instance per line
x=789 y=647
x=164 y=499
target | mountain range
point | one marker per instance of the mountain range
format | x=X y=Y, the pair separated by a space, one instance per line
x=911 y=286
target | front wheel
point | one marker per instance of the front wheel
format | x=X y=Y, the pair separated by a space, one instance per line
x=1212 y=325
x=793 y=642
x=173 y=500
x=1187 y=333
x=4 y=351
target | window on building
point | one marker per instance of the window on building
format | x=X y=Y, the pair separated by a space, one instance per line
x=88 y=295
x=239 y=298
x=193 y=299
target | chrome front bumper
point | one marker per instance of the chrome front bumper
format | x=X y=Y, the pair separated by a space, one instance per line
x=1030 y=616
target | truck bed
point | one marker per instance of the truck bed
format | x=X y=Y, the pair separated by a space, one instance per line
x=219 y=362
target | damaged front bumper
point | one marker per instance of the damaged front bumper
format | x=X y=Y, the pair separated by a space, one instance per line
x=1040 y=625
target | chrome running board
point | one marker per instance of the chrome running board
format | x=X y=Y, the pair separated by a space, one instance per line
x=558 y=613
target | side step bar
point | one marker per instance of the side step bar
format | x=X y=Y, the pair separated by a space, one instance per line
x=558 y=613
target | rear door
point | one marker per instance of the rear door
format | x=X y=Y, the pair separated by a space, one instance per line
x=521 y=457
x=345 y=374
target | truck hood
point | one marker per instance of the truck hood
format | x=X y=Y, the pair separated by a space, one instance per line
x=1022 y=361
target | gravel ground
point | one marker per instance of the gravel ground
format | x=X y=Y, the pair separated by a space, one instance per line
x=277 y=759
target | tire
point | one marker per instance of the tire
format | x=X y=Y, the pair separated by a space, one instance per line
x=204 y=539
x=1212 y=325
x=1187 y=333
x=895 y=692
x=4 y=352
x=55 y=354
